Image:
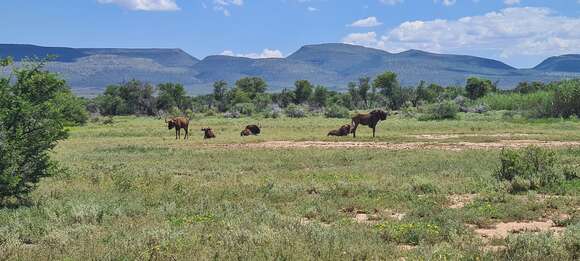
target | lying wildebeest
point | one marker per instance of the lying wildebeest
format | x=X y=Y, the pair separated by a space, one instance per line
x=208 y=133
x=344 y=130
x=250 y=130
x=178 y=123
x=370 y=119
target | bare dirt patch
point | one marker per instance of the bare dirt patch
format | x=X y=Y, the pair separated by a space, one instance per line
x=459 y=201
x=457 y=136
x=502 y=230
x=457 y=146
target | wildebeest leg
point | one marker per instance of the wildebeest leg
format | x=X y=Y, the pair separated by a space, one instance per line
x=354 y=129
x=186 y=133
x=177 y=134
x=374 y=132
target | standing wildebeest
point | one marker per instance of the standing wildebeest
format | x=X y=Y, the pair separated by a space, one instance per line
x=344 y=130
x=250 y=130
x=208 y=133
x=370 y=119
x=178 y=123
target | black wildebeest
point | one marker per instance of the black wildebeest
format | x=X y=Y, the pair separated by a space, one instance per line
x=344 y=130
x=370 y=119
x=178 y=123
x=251 y=130
x=208 y=133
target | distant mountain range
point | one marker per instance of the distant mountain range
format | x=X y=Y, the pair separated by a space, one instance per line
x=88 y=71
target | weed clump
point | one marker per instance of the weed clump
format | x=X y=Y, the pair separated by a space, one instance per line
x=532 y=168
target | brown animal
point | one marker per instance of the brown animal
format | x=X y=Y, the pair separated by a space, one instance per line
x=251 y=130
x=208 y=133
x=179 y=123
x=344 y=130
x=370 y=119
x=246 y=132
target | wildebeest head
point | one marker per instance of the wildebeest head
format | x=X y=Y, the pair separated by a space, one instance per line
x=382 y=115
x=246 y=132
x=170 y=123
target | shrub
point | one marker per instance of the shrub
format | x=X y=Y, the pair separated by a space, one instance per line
x=244 y=108
x=440 y=111
x=295 y=111
x=567 y=98
x=530 y=168
x=232 y=115
x=337 y=111
x=537 y=104
x=409 y=233
x=30 y=126
x=274 y=113
x=535 y=247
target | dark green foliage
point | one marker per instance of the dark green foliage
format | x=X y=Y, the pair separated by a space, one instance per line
x=337 y=111
x=252 y=86
x=302 y=91
x=320 y=97
x=477 y=88
x=71 y=107
x=567 y=98
x=528 y=169
x=440 y=111
x=526 y=87
x=220 y=90
x=30 y=126
x=171 y=95
x=133 y=97
x=389 y=86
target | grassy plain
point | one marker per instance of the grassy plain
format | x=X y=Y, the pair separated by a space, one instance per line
x=131 y=191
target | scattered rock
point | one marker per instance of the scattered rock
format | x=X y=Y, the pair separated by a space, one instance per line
x=459 y=201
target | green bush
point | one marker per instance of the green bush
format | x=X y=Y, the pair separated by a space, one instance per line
x=567 y=98
x=295 y=111
x=529 y=169
x=244 y=108
x=536 y=247
x=440 y=111
x=72 y=108
x=537 y=104
x=411 y=233
x=30 y=126
x=336 y=111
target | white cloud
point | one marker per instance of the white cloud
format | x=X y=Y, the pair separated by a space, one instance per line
x=144 y=5
x=223 y=5
x=512 y=2
x=394 y=2
x=445 y=2
x=312 y=9
x=266 y=53
x=367 y=22
x=366 y=39
x=508 y=33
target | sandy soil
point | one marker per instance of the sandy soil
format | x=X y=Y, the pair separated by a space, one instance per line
x=457 y=146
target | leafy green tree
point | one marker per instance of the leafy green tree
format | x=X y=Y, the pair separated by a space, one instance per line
x=30 y=126
x=320 y=96
x=284 y=98
x=252 y=86
x=171 y=95
x=133 y=97
x=389 y=86
x=363 y=90
x=71 y=107
x=111 y=105
x=220 y=90
x=477 y=87
x=239 y=96
x=302 y=91
x=353 y=91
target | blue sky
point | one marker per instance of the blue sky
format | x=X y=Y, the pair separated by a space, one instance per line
x=520 y=33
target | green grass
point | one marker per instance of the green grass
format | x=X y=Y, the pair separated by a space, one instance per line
x=133 y=192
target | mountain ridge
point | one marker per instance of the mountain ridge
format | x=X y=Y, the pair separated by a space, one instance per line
x=330 y=64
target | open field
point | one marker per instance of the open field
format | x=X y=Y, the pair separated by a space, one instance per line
x=419 y=190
